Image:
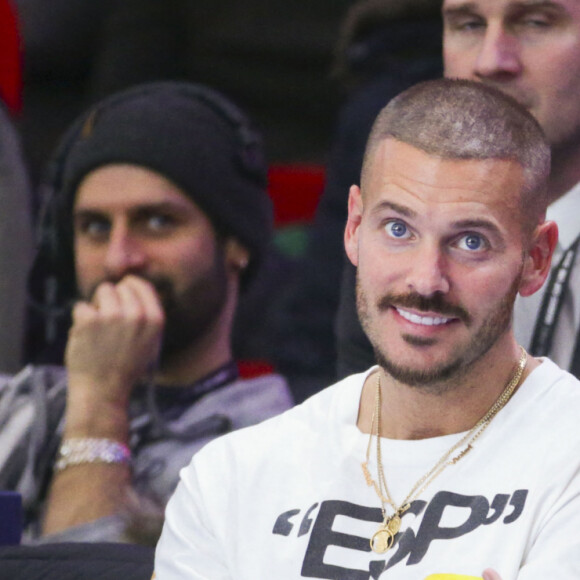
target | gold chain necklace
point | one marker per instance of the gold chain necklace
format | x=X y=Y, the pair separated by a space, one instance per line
x=382 y=540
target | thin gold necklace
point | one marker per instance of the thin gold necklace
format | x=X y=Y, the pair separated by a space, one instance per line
x=382 y=540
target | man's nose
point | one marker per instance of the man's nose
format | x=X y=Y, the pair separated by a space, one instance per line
x=427 y=273
x=499 y=55
x=124 y=254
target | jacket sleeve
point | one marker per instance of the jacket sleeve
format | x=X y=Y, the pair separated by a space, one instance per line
x=31 y=410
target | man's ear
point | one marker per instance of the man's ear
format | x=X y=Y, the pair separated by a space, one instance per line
x=351 y=232
x=237 y=256
x=539 y=258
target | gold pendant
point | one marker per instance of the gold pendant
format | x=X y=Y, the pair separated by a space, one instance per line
x=382 y=540
x=394 y=524
x=384 y=537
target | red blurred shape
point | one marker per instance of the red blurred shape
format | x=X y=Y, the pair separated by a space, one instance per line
x=250 y=369
x=295 y=190
x=10 y=57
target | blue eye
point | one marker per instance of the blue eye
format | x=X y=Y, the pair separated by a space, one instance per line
x=93 y=227
x=158 y=221
x=397 y=229
x=472 y=242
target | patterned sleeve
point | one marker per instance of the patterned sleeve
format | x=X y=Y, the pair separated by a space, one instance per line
x=31 y=410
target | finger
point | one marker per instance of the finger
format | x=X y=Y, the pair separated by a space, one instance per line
x=148 y=298
x=131 y=301
x=83 y=312
x=140 y=300
x=106 y=299
x=491 y=574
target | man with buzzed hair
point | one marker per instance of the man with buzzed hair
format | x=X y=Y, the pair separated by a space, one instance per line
x=531 y=51
x=440 y=461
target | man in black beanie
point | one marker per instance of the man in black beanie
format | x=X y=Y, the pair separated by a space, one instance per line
x=158 y=216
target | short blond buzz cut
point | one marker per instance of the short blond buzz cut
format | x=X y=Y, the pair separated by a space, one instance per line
x=460 y=119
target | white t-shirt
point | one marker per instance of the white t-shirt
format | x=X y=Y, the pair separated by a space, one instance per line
x=287 y=499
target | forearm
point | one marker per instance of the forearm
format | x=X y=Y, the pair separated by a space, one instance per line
x=89 y=490
x=85 y=493
x=113 y=341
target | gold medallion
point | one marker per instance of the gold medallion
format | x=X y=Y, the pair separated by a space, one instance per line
x=394 y=524
x=382 y=540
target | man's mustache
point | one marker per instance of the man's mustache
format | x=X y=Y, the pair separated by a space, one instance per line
x=436 y=304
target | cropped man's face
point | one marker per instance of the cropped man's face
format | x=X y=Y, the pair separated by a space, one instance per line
x=529 y=49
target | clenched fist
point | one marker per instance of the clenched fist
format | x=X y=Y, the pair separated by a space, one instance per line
x=113 y=341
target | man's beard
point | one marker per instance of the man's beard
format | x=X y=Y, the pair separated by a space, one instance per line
x=495 y=325
x=190 y=315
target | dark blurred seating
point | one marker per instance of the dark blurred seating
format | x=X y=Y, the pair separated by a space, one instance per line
x=76 y=561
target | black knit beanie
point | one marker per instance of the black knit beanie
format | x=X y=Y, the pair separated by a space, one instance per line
x=191 y=135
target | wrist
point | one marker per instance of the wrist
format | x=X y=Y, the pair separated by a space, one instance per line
x=97 y=409
x=90 y=417
x=111 y=389
x=82 y=450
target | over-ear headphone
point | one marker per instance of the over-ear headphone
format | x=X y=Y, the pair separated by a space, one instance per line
x=51 y=283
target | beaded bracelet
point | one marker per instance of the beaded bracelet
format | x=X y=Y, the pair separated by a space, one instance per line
x=76 y=451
